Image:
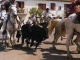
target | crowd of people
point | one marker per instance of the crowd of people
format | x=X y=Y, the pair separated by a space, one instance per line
x=74 y=8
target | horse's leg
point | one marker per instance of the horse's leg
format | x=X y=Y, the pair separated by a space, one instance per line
x=18 y=40
x=8 y=36
x=69 y=37
x=76 y=41
x=3 y=43
x=14 y=38
x=2 y=39
x=9 y=41
x=55 y=40
x=61 y=38
x=5 y=40
x=71 y=42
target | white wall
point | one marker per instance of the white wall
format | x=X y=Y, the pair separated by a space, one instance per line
x=31 y=3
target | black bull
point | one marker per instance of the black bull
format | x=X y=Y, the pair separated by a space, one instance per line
x=34 y=33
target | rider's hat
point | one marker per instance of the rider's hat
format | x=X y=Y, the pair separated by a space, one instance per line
x=47 y=8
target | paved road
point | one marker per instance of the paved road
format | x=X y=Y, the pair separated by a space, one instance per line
x=44 y=52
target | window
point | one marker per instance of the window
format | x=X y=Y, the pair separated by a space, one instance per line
x=21 y=6
x=53 y=7
x=42 y=6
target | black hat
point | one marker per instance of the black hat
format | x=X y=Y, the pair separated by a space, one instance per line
x=47 y=8
x=77 y=3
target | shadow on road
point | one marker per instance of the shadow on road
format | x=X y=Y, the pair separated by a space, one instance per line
x=48 y=42
x=1 y=47
x=47 y=53
x=50 y=54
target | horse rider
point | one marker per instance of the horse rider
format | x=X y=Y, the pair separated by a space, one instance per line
x=76 y=7
x=3 y=18
x=72 y=7
x=7 y=5
x=46 y=14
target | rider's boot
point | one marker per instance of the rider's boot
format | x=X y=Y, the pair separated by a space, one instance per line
x=19 y=30
x=4 y=31
x=5 y=26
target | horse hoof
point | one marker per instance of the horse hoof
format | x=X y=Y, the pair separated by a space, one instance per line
x=34 y=50
x=69 y=57
x=54 y=48
x=22 y=45
x=13 y=43
x=10 y=45
x=78 y=51
x=71 y=43
x=18 y=40
x=3 y=45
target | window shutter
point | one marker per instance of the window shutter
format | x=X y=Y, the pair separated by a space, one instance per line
x=44 y=6
x=53 y=7
x=39 y=6
x=22 y=4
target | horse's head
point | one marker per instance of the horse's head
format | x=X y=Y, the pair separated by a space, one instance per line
x=13 y=10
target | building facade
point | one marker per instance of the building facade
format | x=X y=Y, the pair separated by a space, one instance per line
x=57 y=7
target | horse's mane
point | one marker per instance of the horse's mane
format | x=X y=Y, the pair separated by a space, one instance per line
x=72 y=16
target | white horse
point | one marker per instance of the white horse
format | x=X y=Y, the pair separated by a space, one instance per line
x=70 y=27
x=12 y=25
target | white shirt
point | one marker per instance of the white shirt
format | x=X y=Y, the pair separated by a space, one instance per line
x=32 y=18
x=46 y=14
x=4 y=15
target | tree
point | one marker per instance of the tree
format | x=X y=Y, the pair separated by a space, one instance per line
x=33 y=11
x=36 y=12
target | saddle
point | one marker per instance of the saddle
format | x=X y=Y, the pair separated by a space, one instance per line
x=77 y=19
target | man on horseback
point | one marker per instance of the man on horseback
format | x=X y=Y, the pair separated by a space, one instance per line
x=46 y=14
x=75 y=8
x=4 y=17
x=7 y=5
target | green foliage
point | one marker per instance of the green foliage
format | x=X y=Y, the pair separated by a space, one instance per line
x=34 y=11
x=39 y=12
